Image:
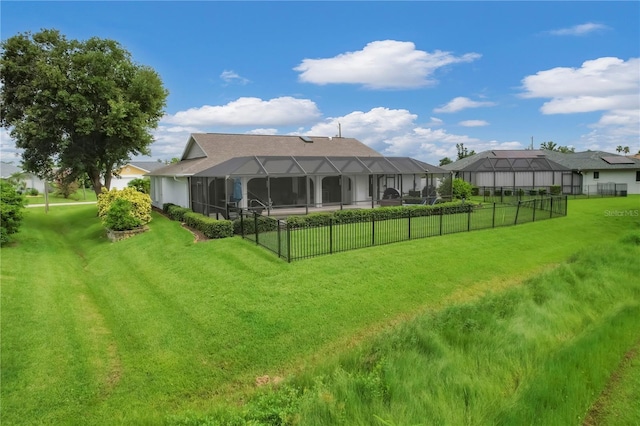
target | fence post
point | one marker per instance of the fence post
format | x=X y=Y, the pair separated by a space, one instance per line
x=469 y=219
x=255 y=224
x=330 y=235
x=441 y=214
x=534 y=208
x=279 y=243
x=373 y=231
x=493 y=218
x=566 y=205
x=288 y=242
x=551 y=208
x=517 y=211
x=241 y=223
x=409 y=224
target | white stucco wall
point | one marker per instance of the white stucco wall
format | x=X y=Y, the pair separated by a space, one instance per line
x=615 y=176
x=121 y=182
x=169 y=190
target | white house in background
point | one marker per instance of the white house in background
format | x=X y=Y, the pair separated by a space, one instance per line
x=602 y=171
x=30 y=180
x=219 y=171
x=134 y=170
x=588 y=172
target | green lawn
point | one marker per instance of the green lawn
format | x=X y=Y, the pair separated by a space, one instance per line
x=79 y=196
x=158 y=329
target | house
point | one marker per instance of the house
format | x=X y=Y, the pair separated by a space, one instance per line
x=589 y=172
x=8 y=170
x=133 y=170
x=512 y=170
x=602 y=172
x=276 y=172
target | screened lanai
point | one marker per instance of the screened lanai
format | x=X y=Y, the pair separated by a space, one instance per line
x=309 y=183
x=522 y=171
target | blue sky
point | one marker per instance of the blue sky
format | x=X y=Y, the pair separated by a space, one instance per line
x=407 y=78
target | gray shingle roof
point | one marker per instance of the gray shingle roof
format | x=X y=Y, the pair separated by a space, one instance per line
x=592 y=160
x=586 y=160
x=147 y=166
x=205 y=150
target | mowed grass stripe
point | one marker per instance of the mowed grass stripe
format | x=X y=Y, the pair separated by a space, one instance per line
x=57 y=348
x=194 y=324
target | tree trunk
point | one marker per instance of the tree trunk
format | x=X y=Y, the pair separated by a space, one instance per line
x=94 y=175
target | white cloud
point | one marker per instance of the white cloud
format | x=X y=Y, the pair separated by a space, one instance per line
x=369 y=127
x=8 y=151
x=607 y=84
x=283 y=111
x=602 y=77
x=169 y=141
x=460 y=103
x=230 y=77
x=473 y=123
x=579 y=30
x=262 y=132
x=394 y=132
x=386 y=64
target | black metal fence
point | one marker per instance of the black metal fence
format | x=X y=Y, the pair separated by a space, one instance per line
x=511 y=194
x=300 y=240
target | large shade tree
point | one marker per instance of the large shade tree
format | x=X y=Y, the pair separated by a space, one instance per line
x=79 y=106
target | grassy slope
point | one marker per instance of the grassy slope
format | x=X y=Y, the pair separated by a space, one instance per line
x=128 y=331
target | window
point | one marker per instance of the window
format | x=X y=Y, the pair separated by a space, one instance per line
x=596 y=175
x=638 y=176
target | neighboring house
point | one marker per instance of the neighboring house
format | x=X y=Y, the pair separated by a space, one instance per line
x=513 y=169
x=602 y=171
x=217 y=171
x=588 y=172
x=30 y=180
x=133 y=170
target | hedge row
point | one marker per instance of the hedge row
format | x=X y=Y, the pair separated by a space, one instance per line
x=385 y=213
x=212 y=228
x=248 y=224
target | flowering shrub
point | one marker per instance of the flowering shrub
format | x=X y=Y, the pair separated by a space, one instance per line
x=140 y=203
x=120 y=217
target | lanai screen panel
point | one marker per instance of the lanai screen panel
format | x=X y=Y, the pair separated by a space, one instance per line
x=483 y=179
x=544 y=178
x=317 y=166
x=282 y=166
x=504 y=179
x=350 y=165
x=522 y=179
x=379 y=165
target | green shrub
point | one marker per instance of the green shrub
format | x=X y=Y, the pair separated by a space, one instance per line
x=32 y=191
x=177 y=212
x=11 y=211
x=120 y=217
x=140 y=203
x=141 y=185
x=378 y=214
x=542 y=191
x=210 y=227
x=461 y=189
x=475 y=191
x=555 y=189
x=248 y=224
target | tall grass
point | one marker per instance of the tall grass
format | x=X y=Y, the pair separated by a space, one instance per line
x=158 y=329
x=540 y=353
